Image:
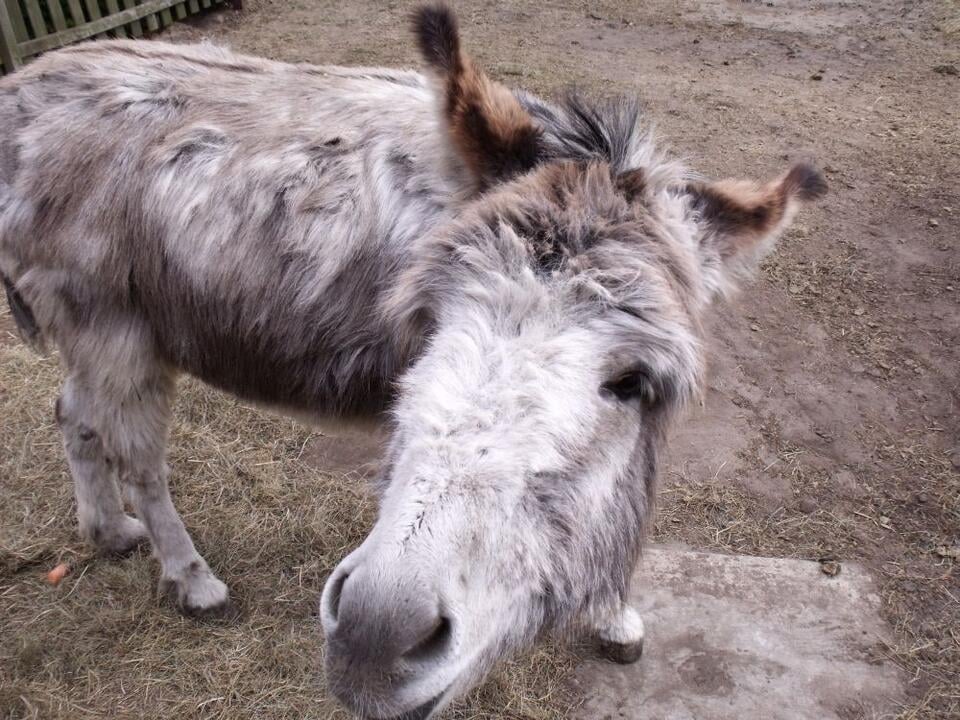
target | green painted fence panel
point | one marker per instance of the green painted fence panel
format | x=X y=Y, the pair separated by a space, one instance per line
x=16 y=18
x=56 y=13
x=38 y=26
x=76 y=13
x=9 y=54
x=46 y=26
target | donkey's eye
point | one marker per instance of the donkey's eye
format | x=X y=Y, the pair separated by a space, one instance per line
x=633 y=385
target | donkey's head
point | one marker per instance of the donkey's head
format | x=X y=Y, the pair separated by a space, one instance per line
x=562 y=313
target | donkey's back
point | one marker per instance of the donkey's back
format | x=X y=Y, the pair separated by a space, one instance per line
x=238 y=216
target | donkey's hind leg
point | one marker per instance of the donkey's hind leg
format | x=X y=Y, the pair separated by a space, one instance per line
x=103 y=523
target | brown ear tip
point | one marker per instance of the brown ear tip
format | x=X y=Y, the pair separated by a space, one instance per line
x=435 y=27
x=805 y=182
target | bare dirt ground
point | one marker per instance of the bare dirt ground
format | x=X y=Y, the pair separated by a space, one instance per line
x=830 y=430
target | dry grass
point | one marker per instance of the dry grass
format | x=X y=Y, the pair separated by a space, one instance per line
x=102 y=644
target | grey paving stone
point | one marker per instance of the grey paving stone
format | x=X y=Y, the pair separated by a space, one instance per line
x=749 y=638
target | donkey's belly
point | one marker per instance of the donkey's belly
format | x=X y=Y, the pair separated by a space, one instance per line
x=315 y=381
x=314 y=362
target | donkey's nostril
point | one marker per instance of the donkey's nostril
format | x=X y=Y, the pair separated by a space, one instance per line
x=434 y=643
x=335 y=593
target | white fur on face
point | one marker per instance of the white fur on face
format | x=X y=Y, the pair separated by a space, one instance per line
x=506 y=461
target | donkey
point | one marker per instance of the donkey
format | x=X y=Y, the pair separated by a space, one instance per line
x=518 y=284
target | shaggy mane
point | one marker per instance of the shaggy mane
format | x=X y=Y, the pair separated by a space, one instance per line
x=612 y=130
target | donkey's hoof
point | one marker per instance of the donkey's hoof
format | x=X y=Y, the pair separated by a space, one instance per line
x=197 y=592
x=120 y=539
x=224 y=610
x=621 y=653
x=621 y=639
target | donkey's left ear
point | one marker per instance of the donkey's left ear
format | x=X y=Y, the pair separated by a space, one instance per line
x=491 y=132
x=741 y=219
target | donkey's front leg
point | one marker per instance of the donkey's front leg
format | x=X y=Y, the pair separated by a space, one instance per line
x=620 y=634
x=140 y=436
x=100 y=513
x=184 y=574
x=115 y=414
x=134 y=404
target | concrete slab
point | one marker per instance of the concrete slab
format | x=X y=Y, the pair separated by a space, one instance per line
x=749 y=638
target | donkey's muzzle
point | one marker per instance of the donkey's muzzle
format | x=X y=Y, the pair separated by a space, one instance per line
x=388 y=641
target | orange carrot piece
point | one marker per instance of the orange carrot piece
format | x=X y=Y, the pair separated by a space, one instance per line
x=57 y=574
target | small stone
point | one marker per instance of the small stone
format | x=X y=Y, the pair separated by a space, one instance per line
x=807 y=505
x=859 y=311
x=755 y=327
x=885 y=522
x=921 y=498
x=817 y=76
x=830 y=567
x=933 y=222
x=946 y=70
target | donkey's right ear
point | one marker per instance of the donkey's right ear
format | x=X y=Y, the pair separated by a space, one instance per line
x=492 y=133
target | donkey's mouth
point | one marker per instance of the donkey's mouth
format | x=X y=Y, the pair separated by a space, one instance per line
x=420 y=713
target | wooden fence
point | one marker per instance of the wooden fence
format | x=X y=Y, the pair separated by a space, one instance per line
x=30 y=27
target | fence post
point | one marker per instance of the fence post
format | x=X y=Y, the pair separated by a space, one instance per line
x=9 y=51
